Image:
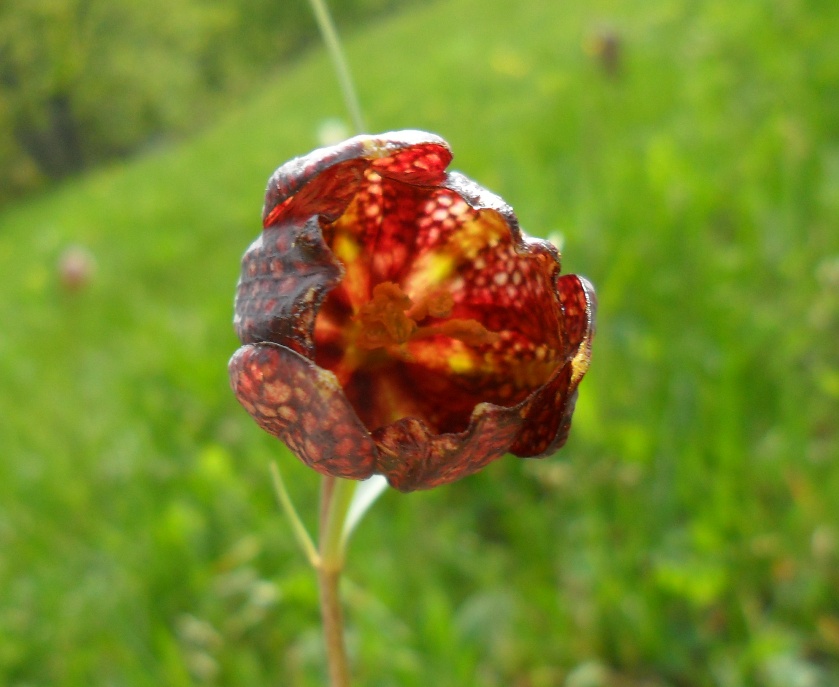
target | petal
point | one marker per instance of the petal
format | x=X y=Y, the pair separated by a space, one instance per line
x=304 y=406
x=547 y=416
x=495 y=274
x=548 y=413
x=512 y=277
x=375 y=238
x=412 y=457
x=579 y=305
x=286 y=273
x=324 y=181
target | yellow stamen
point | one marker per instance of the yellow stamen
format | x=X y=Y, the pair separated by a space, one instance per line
x=383 y=320
x=390 y=319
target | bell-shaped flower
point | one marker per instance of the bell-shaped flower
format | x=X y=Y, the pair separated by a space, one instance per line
x=396 y=320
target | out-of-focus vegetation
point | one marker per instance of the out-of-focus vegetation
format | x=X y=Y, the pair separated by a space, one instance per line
x=84 y=81
x=687 y=535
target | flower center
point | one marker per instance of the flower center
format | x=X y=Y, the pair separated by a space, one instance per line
x=391 y=319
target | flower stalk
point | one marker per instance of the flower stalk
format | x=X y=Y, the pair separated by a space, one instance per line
x=333 y=626
x=336 y=497
x=336 y=53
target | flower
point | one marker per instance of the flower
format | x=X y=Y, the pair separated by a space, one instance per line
x=395 y=319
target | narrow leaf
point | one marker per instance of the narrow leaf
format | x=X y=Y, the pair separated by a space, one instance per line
x=365 y=496
x=297 y=526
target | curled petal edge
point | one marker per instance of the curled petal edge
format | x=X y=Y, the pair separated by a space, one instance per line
x=323 y=182
x=305 y=407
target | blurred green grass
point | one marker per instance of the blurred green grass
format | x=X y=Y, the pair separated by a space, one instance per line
x=686 y=535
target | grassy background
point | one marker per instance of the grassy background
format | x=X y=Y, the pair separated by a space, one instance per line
x=688 y=533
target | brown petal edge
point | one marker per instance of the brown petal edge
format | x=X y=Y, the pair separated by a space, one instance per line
x=324 y=181
x=304 y=406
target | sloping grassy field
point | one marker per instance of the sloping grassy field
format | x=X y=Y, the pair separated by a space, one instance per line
x=688 y=534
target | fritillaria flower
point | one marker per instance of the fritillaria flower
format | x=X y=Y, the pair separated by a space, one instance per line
x=396 y=320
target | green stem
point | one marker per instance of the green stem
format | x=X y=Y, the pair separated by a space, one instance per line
x=297 y=526
x=333 y=627
x=333 y=45
x=336 y=496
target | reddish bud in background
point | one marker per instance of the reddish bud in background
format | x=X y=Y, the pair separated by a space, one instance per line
x=76 y=268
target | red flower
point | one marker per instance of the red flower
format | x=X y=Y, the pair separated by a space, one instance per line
x=395 y=320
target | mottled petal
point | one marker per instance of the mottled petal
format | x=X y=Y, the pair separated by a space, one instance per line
x=304 y=406
x=412 y=457
x=547 y=417
x=548 y=413
x=324 y=181
x=286 y=273
x=579 y=305
x=492 y=273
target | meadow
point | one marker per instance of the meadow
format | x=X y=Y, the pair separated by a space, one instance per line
x=686 y=155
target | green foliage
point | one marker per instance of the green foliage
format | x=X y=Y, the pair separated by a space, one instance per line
x=83 y=81
x=688 y=536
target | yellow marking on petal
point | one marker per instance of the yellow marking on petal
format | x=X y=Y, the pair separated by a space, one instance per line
x=440 y=267
x=484 y=231
x=346 y=248
x=461 y=363
x=580 y=362
x=374 y=150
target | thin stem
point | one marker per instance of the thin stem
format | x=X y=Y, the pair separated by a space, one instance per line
x=336 y=496
x=333 y=627
x=297 y=526
x=333 y=45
